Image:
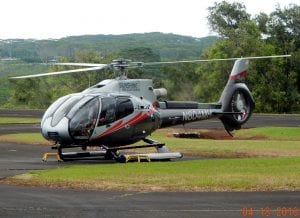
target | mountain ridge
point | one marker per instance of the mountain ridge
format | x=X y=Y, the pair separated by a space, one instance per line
x=169 y=46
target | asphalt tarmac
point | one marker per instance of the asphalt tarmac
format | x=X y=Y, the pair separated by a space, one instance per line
x=44 y=202
x=22 y=201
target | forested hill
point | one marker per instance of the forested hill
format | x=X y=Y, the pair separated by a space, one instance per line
x=168 y=46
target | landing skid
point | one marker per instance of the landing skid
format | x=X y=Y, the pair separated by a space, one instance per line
x=112 y=153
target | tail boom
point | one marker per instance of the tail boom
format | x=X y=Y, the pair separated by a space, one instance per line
x=175 y=113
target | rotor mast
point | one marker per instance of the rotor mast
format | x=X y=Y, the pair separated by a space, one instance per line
x=120 y=68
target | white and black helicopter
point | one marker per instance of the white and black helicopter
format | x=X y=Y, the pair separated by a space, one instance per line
x=116 y=113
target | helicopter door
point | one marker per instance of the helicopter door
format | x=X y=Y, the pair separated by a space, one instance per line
x=114 y=109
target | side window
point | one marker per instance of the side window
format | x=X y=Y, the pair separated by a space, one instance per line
x=124 y=107
x=108 y=111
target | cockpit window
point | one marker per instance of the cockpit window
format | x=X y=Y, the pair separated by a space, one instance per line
x=114 y=109
x=83 y=122
x=108 y=111
x=64 y=109
x=124 y=107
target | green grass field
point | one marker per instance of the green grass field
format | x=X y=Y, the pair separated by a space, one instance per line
x=25 y=138
x=274 y=133
x=264 y=159
x=247 y=174
x=12 y=120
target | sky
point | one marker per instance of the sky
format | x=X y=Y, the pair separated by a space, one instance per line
x=45 y=19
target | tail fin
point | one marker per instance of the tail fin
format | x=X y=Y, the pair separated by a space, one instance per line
x=236 y=97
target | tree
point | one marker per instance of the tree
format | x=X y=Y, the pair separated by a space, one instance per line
x=283 y=29
x=180 y=80
x=224 y=18
x=30 y=93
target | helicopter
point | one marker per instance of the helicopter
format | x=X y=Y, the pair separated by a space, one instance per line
x=116 y=113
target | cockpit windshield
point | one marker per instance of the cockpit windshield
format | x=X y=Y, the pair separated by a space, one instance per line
x=84 y=119
x=51 y=110
x=64 y=108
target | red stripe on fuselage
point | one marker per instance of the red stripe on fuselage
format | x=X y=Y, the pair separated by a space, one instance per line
x=120 y=124
x=117 y=125
x=145 y=116
x=239 y=75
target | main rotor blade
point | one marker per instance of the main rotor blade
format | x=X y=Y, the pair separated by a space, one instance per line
x=92 y=67
x=80 y=64
x=214 y=59
x=61 y=72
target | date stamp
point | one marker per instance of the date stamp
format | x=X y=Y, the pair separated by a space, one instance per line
x=270 y=212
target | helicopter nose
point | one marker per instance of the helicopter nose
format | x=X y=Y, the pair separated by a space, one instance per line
x=57 y=133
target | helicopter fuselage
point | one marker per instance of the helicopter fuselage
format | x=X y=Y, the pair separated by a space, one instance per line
x=117 y=112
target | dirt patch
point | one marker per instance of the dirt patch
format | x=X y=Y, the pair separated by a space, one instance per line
x=223 y=135
x=217 y=134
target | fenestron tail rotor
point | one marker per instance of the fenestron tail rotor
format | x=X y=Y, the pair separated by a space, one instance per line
x=120 y=66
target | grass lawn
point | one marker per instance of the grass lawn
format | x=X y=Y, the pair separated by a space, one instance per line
x=244 y=174
x=25 y=138
x=11 y=120
x=274 y=133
